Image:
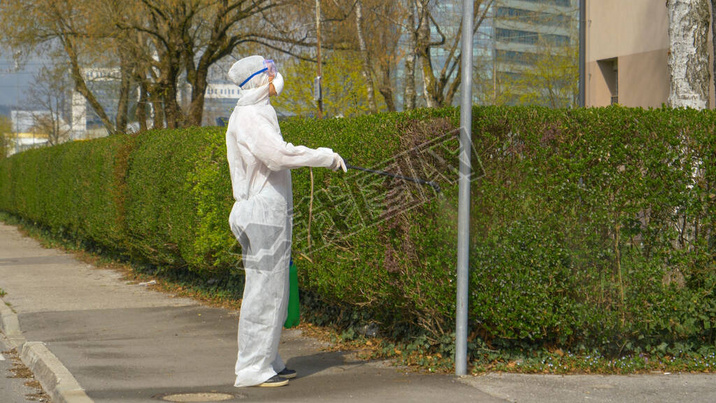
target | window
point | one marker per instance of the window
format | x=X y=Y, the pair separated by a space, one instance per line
x=561 y=3
x=511 y=56
x=537 y=17
x=514 y=35
x=610 y=72
x=558 y=40
x=510 y=76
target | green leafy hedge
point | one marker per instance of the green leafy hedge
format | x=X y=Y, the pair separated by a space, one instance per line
x=596 y=227
x=591 y=228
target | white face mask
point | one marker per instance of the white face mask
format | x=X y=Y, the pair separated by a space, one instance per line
x=278 y=83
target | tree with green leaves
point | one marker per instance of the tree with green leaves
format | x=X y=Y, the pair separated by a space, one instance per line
x=5 y=135
x=50 y=102
x=154 y=45
x=80 y=30
x=182 y=39
x=549 y=78
x=411 y=46
x=345 y=88
x=436 y=47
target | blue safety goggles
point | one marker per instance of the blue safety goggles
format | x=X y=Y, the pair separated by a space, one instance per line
x=269 y=68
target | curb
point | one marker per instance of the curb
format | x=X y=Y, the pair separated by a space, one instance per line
x=55 y=378
x=10 y=326
x=57 y=381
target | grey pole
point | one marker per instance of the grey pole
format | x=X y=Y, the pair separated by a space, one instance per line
x=582 y=51
x=463 y=210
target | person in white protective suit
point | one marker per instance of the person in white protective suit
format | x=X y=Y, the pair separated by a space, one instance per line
x=261 y=218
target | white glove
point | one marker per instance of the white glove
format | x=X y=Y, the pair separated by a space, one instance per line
x=338 y=163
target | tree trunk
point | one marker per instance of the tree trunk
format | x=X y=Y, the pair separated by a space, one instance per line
x=157 y=106
x=410 y=94
x=196 y=108
x=142 y=106
x=367 y=76
x=171 y=107
x=454 y=87
x=81 y=86
x=168 y=84
x=124 y=87
x=688 y=57
x=386 y=90
x=423 y=52
x=198 y=91
x=713 y=35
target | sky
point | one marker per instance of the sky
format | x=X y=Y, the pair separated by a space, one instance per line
x=14 y=83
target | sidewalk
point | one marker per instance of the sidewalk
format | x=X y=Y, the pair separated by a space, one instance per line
x=90 y=336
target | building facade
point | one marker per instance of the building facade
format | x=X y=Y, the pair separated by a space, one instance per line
x=627 y=53
x=627 y=50
x=524 y=33
x=24 y=135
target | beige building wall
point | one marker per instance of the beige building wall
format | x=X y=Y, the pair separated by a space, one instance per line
x=627 y=53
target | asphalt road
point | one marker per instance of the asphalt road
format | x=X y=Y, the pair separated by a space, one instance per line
x=91 y=336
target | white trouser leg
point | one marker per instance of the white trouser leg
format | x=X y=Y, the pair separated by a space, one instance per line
x=263 y=312
x=266 y=250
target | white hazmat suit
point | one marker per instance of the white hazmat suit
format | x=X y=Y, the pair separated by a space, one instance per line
x=261 y=218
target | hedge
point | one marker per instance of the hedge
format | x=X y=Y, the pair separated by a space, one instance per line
x=590 y=228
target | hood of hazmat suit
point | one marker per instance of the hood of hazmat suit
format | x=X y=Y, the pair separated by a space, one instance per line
x=261 y=218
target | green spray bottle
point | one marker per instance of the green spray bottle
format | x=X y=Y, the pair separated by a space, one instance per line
x=293 y=317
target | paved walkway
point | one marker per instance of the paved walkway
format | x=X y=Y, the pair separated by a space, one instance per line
x=90 y=336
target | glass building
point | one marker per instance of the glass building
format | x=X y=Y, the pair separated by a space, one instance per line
x=527 y=37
